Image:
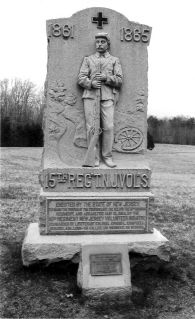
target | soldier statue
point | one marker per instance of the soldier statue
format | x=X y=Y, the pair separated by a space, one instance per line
x=101 y=72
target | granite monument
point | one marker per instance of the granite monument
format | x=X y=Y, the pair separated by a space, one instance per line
x=95 y=180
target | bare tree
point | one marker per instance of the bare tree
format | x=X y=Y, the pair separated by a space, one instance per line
x=20 y=101
x=21 y=107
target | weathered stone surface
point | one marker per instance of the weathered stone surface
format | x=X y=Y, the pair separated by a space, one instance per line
x=115 y=278
x=51 y=248
x=69 y=41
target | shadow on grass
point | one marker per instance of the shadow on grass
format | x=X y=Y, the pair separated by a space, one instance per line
x=38 y=291
x=41 y=291
x=51 y=291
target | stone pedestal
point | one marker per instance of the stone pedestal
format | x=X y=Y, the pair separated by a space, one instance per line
x=104 y=272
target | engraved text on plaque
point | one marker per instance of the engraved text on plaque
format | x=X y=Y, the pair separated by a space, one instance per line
x=105 y=264
x=97 y=216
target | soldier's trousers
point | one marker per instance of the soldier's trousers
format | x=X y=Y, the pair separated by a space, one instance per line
x=107 y=124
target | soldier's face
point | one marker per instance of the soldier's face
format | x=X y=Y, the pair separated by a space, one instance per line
x=101 y=45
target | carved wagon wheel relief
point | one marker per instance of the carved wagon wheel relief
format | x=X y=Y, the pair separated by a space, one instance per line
x=128 y=139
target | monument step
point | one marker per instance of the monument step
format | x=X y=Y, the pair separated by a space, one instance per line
x=52 y=248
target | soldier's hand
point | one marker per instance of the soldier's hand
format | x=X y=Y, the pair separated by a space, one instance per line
x=96 y=84
x=100 y=77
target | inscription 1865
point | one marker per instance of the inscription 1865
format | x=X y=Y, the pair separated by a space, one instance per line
x=135 y=34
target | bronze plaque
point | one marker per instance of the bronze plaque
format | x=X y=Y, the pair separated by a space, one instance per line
x=105 y=264
x=73 y=216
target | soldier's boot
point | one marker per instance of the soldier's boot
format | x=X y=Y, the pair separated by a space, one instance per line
x=107 y=142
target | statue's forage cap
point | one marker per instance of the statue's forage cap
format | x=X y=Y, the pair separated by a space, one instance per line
x=103 y=35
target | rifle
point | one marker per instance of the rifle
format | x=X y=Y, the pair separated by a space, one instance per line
x=89 y=160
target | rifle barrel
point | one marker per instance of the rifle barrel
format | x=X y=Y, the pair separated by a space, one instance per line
x=91 y=151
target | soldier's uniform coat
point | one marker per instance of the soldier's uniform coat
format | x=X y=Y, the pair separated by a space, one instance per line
x=110 y=66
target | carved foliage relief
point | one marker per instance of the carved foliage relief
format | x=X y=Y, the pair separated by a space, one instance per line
x=64 y=116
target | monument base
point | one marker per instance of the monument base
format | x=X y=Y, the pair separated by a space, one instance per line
x=53 y=248
x=104 y=273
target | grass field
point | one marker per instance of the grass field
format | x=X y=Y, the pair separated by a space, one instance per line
x=166 y=290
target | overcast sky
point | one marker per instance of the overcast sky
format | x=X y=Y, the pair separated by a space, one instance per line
x=23 y=51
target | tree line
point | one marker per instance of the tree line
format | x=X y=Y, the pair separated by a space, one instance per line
x=21 y=113
x=22 y=108
x=176 y=130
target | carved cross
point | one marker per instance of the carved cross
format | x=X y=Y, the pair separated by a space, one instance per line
x=100 y=20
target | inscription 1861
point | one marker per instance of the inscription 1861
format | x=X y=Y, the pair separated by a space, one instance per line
x=57 y=30
x=135 y=34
